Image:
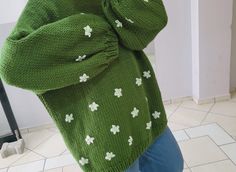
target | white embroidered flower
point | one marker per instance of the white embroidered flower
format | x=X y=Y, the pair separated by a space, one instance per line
x=148 y=125
x=83 y=161
x=135 y=112
x=147 y=74
x=88 y=30
x=138 y=81
x=115 y=128
x=146 y=98
x=93 y=106
x=82 y=13
x=156 y=114
x=131 y=21
x=109 y=156
x=80 y=58
x=118 y=23
x=118 y=92
x=130 y=140
x=89 y=139
x=69 y=118
x=83 y=78
x=145 y=0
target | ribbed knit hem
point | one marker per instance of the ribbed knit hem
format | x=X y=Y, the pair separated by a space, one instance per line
x=127 y=162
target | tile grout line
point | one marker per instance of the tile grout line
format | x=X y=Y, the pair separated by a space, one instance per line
x=208 y=134
x=227 y=156
x=225 y=131
x=222 y=150
x=207 y=114
x=44 y=164
x=177 y=107
x=208 y=163
x=37 y=153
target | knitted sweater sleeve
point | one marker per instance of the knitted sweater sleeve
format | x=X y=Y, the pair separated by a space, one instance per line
x=69 y=51
x=136 y=22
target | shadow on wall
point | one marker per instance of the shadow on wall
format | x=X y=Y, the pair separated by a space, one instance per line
x=233 y=51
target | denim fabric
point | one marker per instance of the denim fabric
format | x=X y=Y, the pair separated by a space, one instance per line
x=164 y=155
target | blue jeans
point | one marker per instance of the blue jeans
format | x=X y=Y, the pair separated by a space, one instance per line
x=164 y=155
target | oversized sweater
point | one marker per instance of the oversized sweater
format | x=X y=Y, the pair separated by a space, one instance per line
x=84 y=60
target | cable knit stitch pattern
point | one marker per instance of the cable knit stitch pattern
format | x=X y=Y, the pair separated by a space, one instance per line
x=84 y=60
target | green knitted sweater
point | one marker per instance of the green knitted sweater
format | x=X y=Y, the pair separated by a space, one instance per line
x=84 y=60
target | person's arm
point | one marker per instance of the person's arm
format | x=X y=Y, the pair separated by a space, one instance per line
x=136 y=22
x=69 y=51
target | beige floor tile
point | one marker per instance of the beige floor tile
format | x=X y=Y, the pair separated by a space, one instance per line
x=226 y=122
x=54 y=146
x=3 y=170
x=220 y=166
x=54 y=170
x=180 y=135
x=172 y=107
x=201 y=150
x=214 y=131
x=230 y=151
x=186 y=170
x=33 y=139
x=27 y=158
x=191 y=104
x=66 y=152
x=54 y=129
x=35 y=166
x=59 y=161
x=176 y=127
x=72 y=168
x=187 y=117
x=6 y=162
x=225 y=107
x=168 y=113
x=185 y=165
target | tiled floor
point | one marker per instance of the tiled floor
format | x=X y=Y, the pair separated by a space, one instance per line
x=206 y=135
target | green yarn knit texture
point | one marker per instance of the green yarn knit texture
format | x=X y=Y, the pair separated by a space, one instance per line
x=84 y=60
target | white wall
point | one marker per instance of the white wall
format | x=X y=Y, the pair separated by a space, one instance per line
x=173 y=51
x=214 y=47
x=10 y=10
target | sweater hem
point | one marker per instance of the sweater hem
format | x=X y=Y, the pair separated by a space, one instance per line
x=127 y=162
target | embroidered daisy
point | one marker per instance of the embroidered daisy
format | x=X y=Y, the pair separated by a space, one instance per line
x=118 y=23
x=93 y=106
x=109 y=156
x=87 y=31
x=138 y=81
x=115 y=129
x=148 y=125
x=156 y=114
x=146 y=74
x=69 y=118
x=83 y=78
x=83 y=161
x=130 y=140
x=89 y=139
x=131 y=21
x=135 y=112
x=118 y=92
x=80 y=58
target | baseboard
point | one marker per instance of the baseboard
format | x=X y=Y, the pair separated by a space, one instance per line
x=37 y=128
x=199 y=101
